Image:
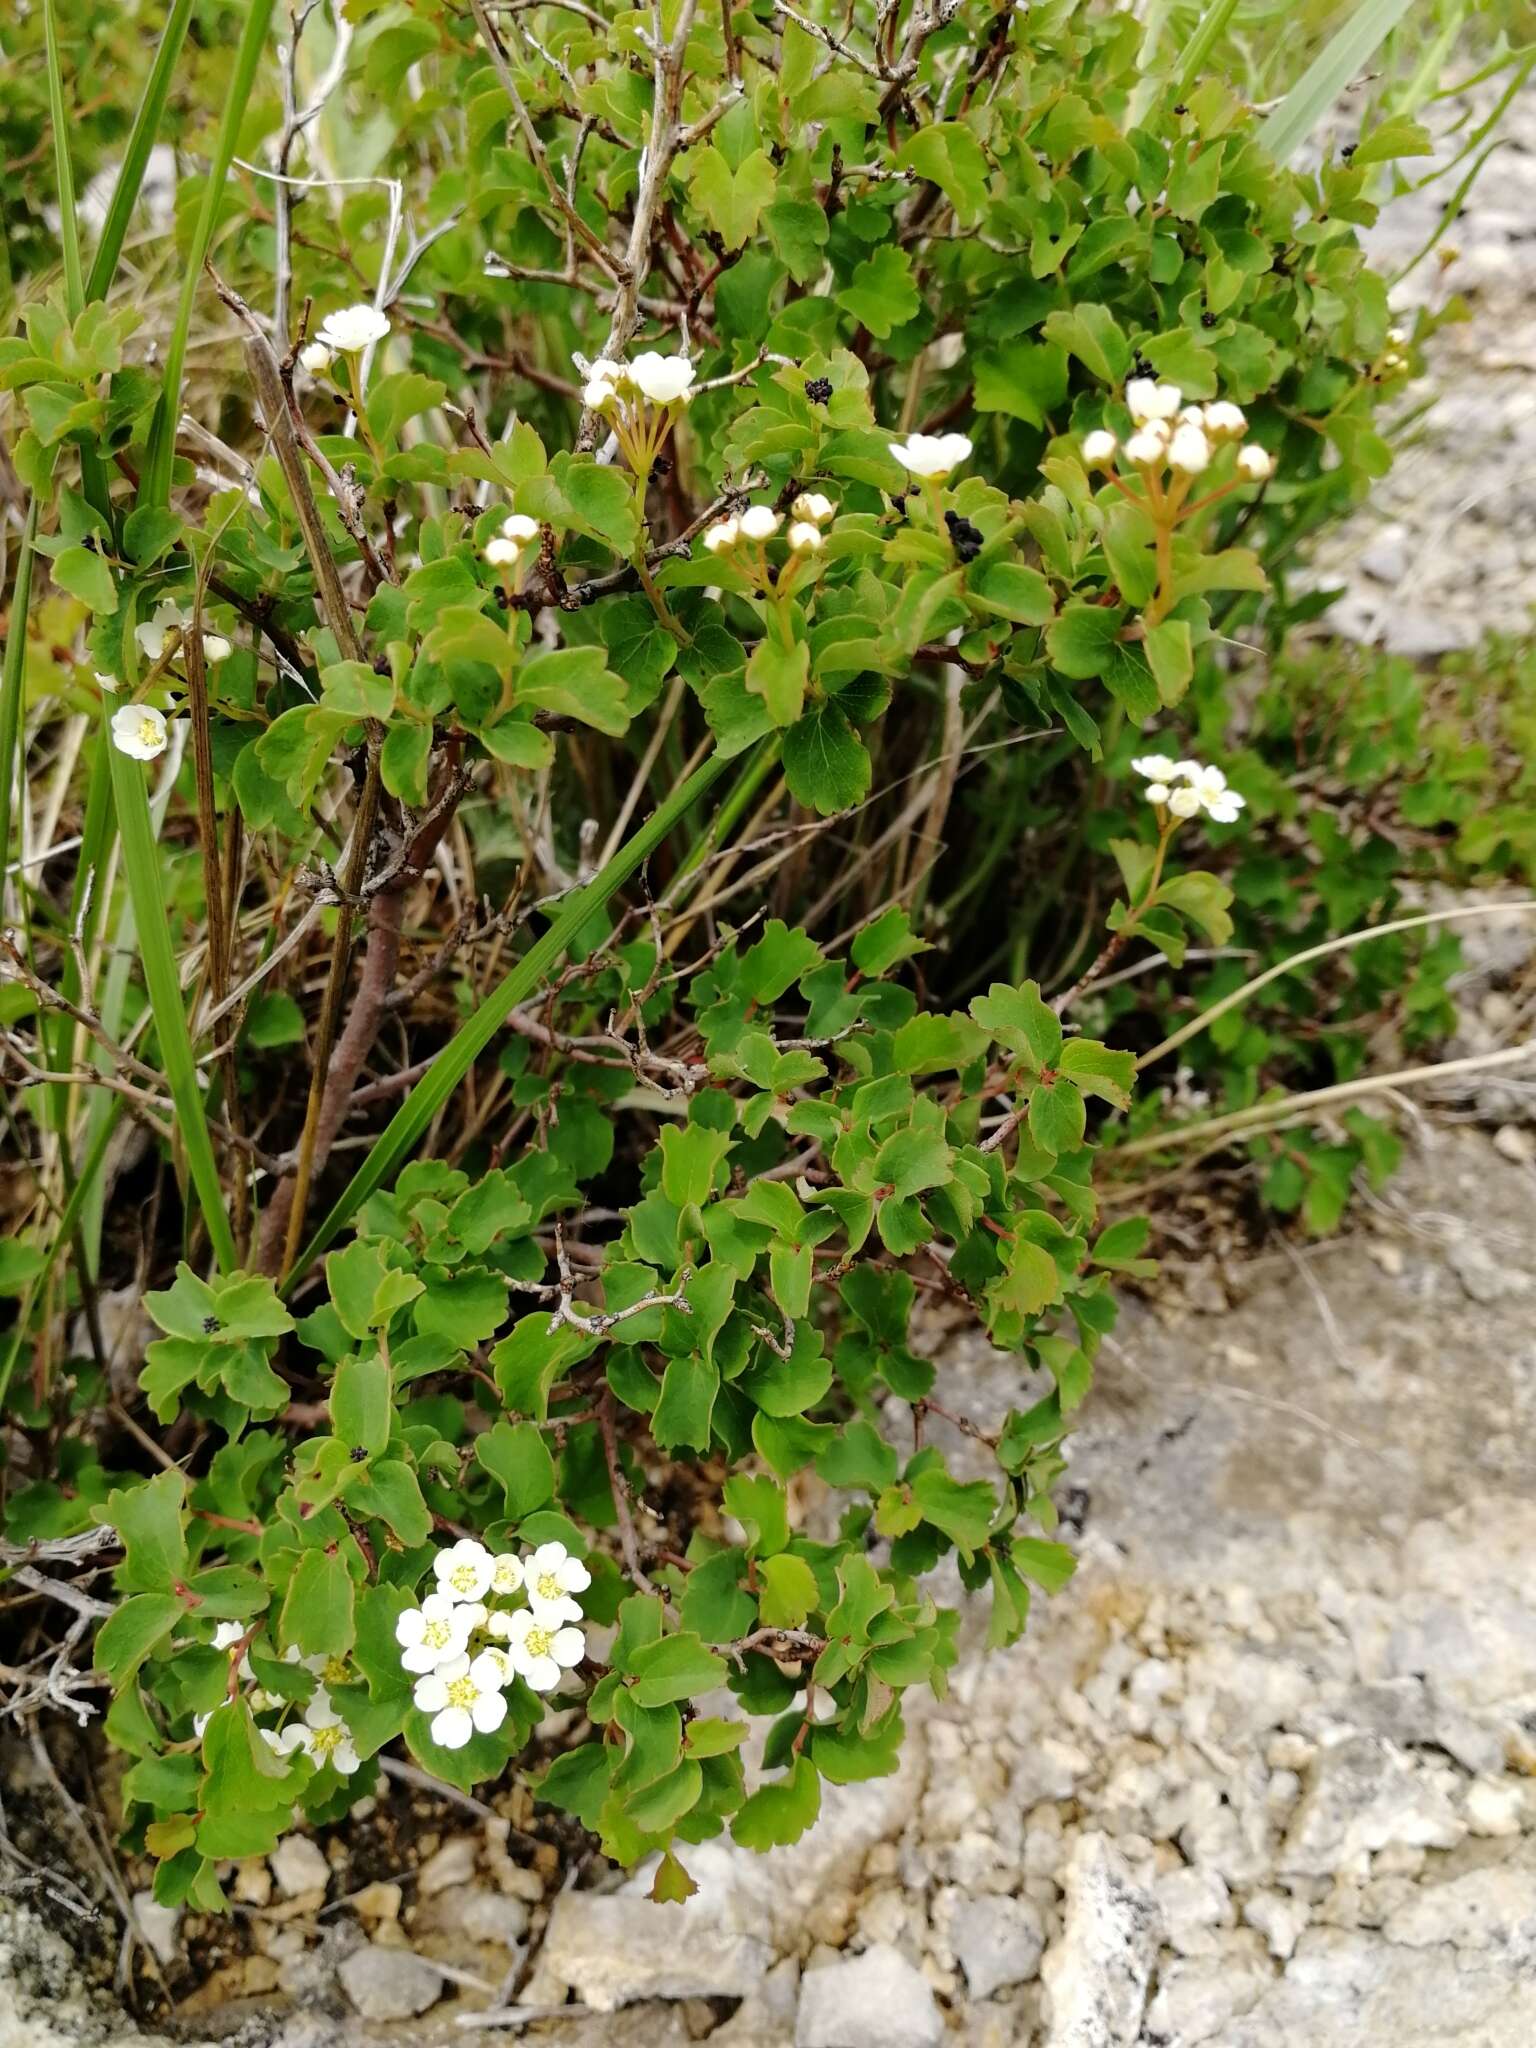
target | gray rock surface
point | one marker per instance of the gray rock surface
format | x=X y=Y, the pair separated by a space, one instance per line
x=615 y=1949
x=873 y=2000
x=1097 y=1973
x=389 y=1983
x=997 y=1942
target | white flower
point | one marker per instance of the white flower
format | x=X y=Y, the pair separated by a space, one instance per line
x=498 y=1659
x=328 y=1738
x=664 y=380
x=1189 y=451
x=932 y=455
x=154 y=635
x=463 y=1698
x=1210 y=786
x=1156 y=767
x=1149 y=400
x=759 y=522
x=507 y=1573
x=501 y=553
x=597 y=393
x=1146 y=449
x=1224 y=420
x=286 y=1740
x=540 y=1650
x=1255 y=463
x=315 y=357
x=721 y=535
x=1187 y=788
x=813 y=506
x=551 y=1576
x=139 y=730
x=464 y=1570
x=519 y=527
x=806 y=539
x=1099 y=447
x=225 y=1637
x=1191 y=416
x=352 y=330
x=433 y=1633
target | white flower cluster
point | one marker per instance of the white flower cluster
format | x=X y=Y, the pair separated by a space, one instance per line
x=932 y=457
x=808 y=515
x=504 y=549
x=168 y=617
x=659 y=380
x=463 y=1652
x=139 y=729
x=346 y=333
x=1172 y=435
x=1186 y=789
x=321 y=1733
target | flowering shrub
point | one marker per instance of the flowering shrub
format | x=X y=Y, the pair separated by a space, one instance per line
x=810 y=405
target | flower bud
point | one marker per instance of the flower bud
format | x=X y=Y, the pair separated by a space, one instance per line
x=806 y=539
x=1255 y=463
x=1189 y=451
x=1099 y=447
x=759 y=522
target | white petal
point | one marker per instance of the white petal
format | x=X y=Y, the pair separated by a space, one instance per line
x=489 y=1711
x=568 y=1647
x=452 y=1728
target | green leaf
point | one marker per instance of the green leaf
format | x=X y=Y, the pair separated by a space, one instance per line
x=1020 y=1021
x=132 y=1630
x=466 y=1306
x=948 y=155
x=515 y=1454
x=826 y=764
x=1099 y=1071
x=682 y=1417
x=1397 y=137
x=882 y=294
x=964 y=1510
x=789 y=1591
x=1204 y=899
x=1009 y=590
x=779 y=1813
x=574 y=682
x=731 y=200
x=360 y=1404
x=149 y=1521
x=1093 y=335
x=690 y=1158
x=676 y=1667
x=317 y=1612
x=780 y=675
x=83 y=573
x=1056 y=1116
x=912 y=1160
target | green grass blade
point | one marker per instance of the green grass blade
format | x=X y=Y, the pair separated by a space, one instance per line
x=141 y=140
x=141 y=866
x=1342 y=58
x=13 y=678
x=400 y=1136
x=69 y=226
x=1209 y=30
x=155 y=484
